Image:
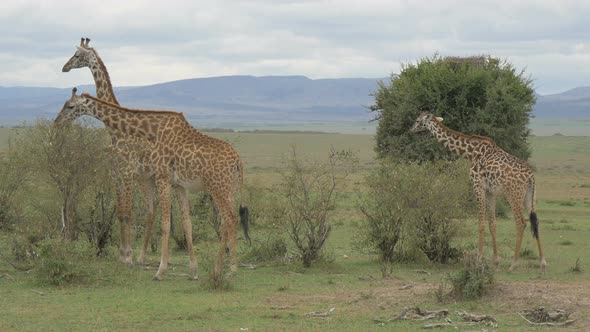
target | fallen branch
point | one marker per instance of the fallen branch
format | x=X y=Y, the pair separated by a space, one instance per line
x=486 y=319
x=567 y=322
x=248 y=266
x=178 y=274
x=408 y=286
x=474 y=317
x=415 y=313
x=367 y=278
x=422 y=272
x=38 y=292
x=455 y=325
x=542 y=317
x=319 y=313
x=7 y=276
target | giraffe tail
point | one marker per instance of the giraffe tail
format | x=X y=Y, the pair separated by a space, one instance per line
x=244 y=211
x=244 y=221
x=533 y=215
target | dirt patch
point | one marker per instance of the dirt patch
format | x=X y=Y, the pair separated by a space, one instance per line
x=507 y=297
x=572 y=296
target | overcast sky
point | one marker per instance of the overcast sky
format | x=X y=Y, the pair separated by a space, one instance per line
x=146 y=42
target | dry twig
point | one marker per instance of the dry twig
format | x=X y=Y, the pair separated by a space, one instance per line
x=38 y=292
x=280 y=307
x=408 y=286
x=7 y=276
x=319 y=313
x=415 y=313
x=248 y=266
x=455 y=325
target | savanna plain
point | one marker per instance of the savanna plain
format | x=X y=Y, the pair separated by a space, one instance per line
x=277 y=295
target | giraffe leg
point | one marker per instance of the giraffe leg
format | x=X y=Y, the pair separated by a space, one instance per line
x=481 y=204
x=163 y=185
x=188 y=229
x=542 y=260
x=148 y=190
x=120 y=215
x=491 y=200
x=124 y=212
x=228 y=235
x=520 y=226
x=128 y=216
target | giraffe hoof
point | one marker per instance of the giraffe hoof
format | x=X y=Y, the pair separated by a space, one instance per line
x=194 y=278
x=157 y=278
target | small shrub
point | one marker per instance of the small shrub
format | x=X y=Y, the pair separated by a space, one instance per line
x=439 y=293
x=567 y=203
x=502 y=207
x=25 y=250
x=577 y=268
x=65 y=262
x=564 y=221
x=273 y=248
x=308 y=193
x=474 y=279
x=566 y=243
x=527 y=253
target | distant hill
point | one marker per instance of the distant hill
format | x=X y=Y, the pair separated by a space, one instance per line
x=233 y=101
x=573 y=104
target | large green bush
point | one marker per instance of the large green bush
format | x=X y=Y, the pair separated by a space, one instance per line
x=477 y=96
x=414 y=210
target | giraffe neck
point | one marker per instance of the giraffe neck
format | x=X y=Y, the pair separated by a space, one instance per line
x=468 y=147
x=102 y=81
x=120 y=121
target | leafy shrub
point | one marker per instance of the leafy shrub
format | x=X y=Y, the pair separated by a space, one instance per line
x=474 y=279
x=273 y=248
x=527 y=253
x=25 y=250
x=65 y=262
x=577 y=268
x=410 y=207
x=308 y=194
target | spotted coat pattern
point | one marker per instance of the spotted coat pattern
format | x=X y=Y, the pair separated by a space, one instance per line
x=129 y=156
x=493 y=170
x=183 y=159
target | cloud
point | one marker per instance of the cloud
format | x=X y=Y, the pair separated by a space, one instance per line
x=149 y=42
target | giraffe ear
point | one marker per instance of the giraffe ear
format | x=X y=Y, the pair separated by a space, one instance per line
x=439 y=119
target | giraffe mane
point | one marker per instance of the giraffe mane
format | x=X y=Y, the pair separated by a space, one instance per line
x=483 y=138
x=104 y=102
x=106 y=73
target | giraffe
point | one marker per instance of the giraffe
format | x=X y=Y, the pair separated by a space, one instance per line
x=492 y=170
x=184 y=159
x=127 y=158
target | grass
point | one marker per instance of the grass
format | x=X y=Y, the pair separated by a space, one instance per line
x=276 y=297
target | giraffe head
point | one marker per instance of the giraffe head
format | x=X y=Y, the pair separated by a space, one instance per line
x=83 y=57
x=422 y=122
x=75 y=107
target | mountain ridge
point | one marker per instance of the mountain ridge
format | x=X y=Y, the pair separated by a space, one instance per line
x=223 y=100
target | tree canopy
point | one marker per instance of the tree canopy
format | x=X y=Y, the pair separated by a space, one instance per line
x=478 y=95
